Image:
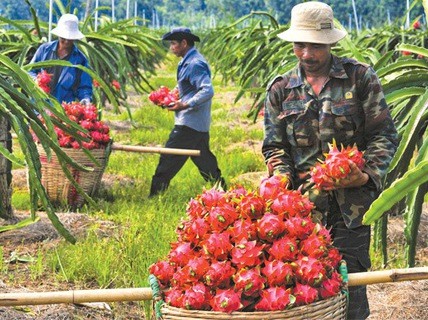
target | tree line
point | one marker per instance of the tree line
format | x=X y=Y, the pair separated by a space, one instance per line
x=213 y=13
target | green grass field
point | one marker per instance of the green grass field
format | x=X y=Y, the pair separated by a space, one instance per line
x=145 y=227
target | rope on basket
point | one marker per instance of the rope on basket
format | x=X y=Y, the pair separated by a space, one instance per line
x=157 y=296
x=343 y=269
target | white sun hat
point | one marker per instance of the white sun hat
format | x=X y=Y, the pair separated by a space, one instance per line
x=312 y=22
x=68 y=27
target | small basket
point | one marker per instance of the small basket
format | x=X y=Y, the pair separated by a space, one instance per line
x=59 y=189
x=333 y=308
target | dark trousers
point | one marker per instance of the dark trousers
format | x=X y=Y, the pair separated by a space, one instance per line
x=182 y=137
x=354 y=245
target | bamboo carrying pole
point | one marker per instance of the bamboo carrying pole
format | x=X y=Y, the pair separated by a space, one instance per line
x=138 y=294
x=140 y=149
x=182 y=152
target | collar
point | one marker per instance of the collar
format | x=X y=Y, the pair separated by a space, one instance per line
x=337 y=70
x=188 y=54
x=56 y=43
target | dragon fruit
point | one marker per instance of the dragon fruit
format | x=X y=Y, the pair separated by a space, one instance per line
x=247 y=253
x=197 y=296
x=274 y=298
x=249 y=281
x=226 y=301
x=335 y=166
x=244 y=250
x=304 y=294
x=278 y=273
x=163 y=96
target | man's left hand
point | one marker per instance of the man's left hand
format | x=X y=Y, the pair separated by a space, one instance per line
x=179 y=105
x=356 y=178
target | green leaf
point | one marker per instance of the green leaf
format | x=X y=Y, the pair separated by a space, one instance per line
x=397 y=191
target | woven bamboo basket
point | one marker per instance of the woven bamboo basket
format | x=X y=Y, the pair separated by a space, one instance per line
x=59 y=189
x=330 y=309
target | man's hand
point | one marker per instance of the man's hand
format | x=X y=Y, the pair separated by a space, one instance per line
x=86 y=102
x=179 y=105
x=356 y=178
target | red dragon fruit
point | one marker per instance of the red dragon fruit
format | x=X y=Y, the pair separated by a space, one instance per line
x=278 y=273
x=272 y=186
x=270 y=227
x=304 y=294
x=336 y=166
x=219 y=274
x=292 y=203
x=274 y=298
x=43 y=80
x=226 y=301
x=331 y=287
x=247 y=253
x=164 y=97
x=217 y=245
x=249 y=281
x=299 y=228
x=242 y=229
x=213 y=198
x=163 y=271
x=196 y=209
x=197 y=297
x=193 y=231
x=309 y=270
x=284 y=249
x=181 y=253
x=252 y=206
x=222 y=217
x=313 y=246
x=174 y=297
x=198 y=266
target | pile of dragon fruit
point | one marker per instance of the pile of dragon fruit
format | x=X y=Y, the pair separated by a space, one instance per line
x=164 y=97
x=87 y=118
x=242 y=250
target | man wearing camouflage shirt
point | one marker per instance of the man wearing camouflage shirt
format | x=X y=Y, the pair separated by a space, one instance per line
x=328 y=98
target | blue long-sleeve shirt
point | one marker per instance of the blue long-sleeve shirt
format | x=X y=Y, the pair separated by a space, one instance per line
x=195 y=87
x=69 y=87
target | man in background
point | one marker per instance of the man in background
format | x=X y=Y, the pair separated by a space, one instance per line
x=192 y=114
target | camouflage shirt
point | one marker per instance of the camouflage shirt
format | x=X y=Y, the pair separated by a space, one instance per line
x=351 y=109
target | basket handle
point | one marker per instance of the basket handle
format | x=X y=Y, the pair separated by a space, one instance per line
x=343 y=270
x=157 y=296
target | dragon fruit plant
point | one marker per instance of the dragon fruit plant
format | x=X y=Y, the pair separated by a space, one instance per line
x=241 y=250
x=164 y=97
x=336 y=166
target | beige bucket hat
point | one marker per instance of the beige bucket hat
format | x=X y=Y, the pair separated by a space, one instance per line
x=68 y=27
x=312 y=22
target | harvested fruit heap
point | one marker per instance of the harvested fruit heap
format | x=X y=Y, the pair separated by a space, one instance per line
x=87 y=118
x=164 y=97
x=241 y=250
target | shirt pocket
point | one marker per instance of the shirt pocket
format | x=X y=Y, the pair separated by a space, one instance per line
x=299 y=126
x=67 y=80
x=347 y=119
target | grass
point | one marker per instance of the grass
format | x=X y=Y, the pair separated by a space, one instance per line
x=146 y=227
